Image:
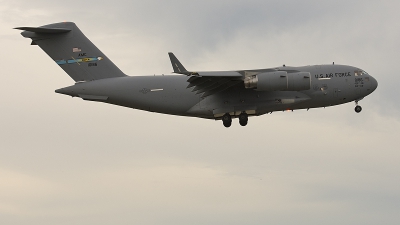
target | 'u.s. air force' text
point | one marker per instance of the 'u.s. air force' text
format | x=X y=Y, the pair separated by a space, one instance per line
x=331 y=75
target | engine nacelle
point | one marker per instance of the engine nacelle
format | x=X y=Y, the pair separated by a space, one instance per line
x=279 y=81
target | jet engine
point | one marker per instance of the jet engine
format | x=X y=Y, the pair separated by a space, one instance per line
x=279 y=81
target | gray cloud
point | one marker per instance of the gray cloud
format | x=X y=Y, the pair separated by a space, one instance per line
x=68 y=161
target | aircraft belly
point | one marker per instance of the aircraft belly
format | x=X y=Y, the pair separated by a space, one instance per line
x=243 y=100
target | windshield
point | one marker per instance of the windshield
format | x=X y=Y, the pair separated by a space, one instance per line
x=360 y=73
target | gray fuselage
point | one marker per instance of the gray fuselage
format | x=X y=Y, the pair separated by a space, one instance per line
x=330 y=85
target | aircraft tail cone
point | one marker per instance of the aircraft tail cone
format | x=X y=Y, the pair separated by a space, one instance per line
x=67 y=91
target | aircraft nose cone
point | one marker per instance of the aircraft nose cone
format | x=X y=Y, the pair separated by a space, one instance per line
x=374 y=83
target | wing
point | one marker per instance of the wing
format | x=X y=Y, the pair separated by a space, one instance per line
x=207 y=82
x=209 y=85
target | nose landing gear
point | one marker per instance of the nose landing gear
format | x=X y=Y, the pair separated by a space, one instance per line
x=357 y=108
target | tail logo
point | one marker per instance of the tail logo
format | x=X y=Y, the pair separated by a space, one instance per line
x=78 y=60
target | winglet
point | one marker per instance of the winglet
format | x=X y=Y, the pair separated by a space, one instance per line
x=178 y=67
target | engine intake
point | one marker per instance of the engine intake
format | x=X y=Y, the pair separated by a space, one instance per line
x=279 y=81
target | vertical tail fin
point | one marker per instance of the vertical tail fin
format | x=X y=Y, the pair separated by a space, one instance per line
x=72 y=51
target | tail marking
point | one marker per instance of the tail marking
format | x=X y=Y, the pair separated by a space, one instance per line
x=79 y=60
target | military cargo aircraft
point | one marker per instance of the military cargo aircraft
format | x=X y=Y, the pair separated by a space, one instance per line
x=218 y=95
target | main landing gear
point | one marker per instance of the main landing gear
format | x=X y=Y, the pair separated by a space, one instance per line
x=357 y=108
x=243 y=119
x=227 y=119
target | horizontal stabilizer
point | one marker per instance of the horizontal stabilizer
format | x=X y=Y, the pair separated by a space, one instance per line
x=44 y=30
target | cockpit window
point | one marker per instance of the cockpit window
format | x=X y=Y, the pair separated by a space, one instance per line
x=360 y=73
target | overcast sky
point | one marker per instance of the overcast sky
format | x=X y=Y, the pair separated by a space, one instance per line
x=67 y=161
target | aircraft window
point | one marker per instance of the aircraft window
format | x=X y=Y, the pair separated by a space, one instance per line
x=360 y=73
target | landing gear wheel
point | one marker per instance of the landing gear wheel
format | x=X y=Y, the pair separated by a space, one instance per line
x=227 y=123
x=358 y=109
x=227 y=120
x=243 y=119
